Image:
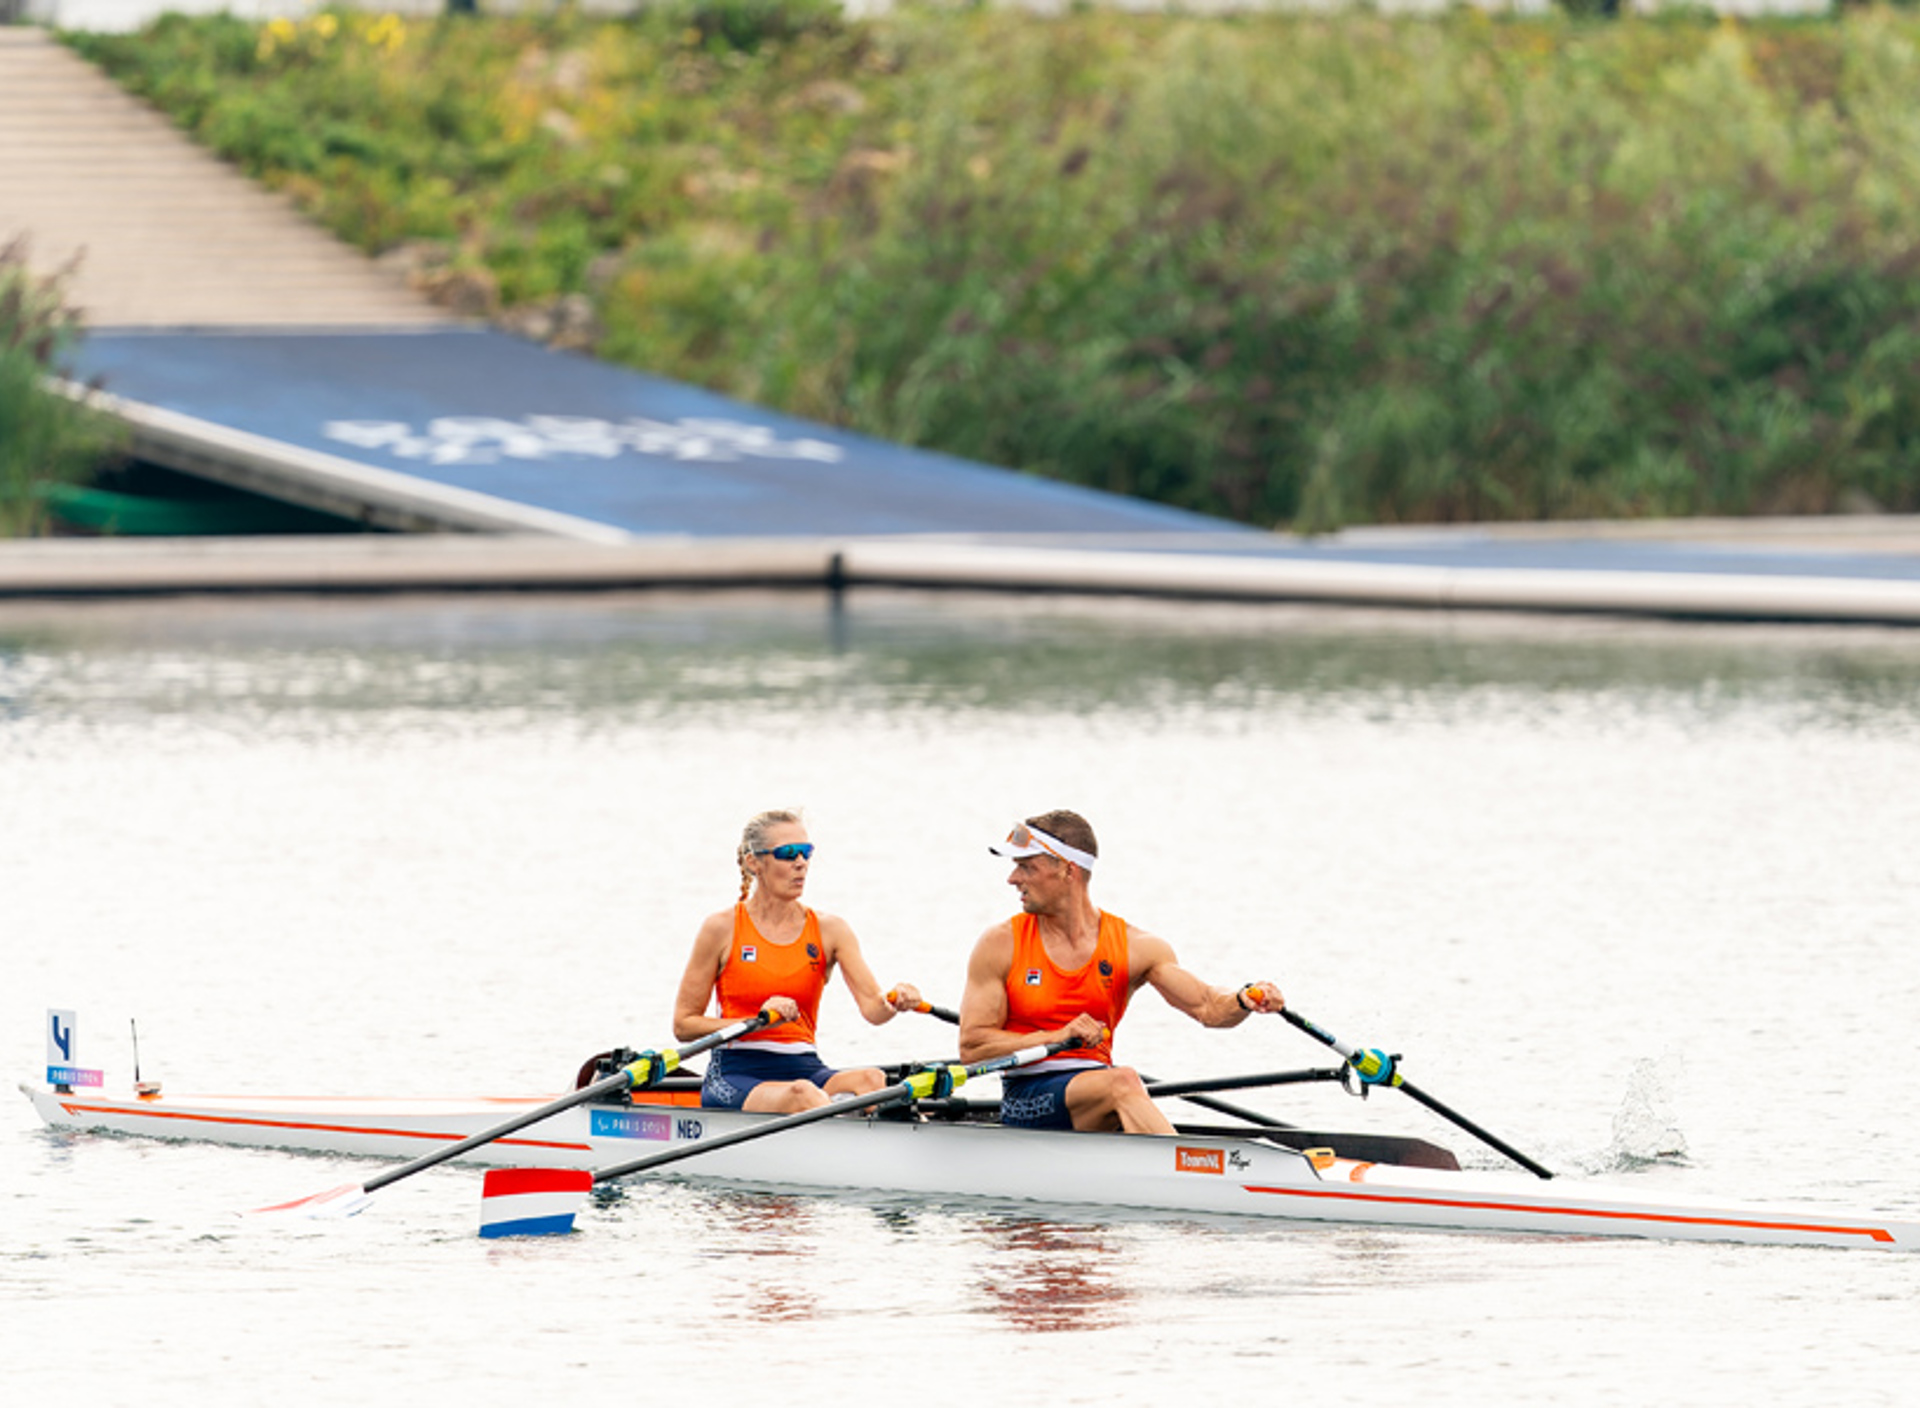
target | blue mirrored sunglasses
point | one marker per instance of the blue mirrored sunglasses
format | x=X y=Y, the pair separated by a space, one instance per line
x=795 y=850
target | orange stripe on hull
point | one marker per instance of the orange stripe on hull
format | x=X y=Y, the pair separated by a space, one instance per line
x=1877 y=1234
x=150 y=1114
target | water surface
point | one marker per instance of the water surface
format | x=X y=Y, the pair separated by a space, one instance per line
x=1640 y=898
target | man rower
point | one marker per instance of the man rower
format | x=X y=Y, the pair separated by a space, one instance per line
x=1063 y=968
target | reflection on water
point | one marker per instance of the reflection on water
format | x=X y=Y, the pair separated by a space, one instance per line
x=770 y=1238
x=767 y=1230
x=767 y=1224
x=1049 y=1277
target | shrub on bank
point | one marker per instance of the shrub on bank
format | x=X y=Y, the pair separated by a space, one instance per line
x=45 y=439
x=1296 y=270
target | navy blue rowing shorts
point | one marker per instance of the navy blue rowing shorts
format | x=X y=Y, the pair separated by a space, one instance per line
x=1036 y=1102
x=734 y=1072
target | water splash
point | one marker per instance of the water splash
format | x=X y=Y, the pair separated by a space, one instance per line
x=1646 y=1129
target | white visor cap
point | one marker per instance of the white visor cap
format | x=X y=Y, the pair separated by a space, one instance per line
x=1028 y=840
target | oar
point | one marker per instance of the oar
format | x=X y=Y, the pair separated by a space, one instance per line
x=520 y=1202
x=1377 y=1068
x=350 y=1198
x=935 y=1082
x=945 y=1014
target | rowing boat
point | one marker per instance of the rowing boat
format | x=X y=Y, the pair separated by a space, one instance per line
x=961 y=1154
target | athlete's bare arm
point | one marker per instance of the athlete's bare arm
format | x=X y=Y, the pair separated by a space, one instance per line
x=690 y=1018
x=844 y=949
x=983 y=1002
x=1153 y=962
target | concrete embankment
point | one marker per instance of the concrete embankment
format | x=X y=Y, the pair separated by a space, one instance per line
x=157 y=231
x=1458 y=571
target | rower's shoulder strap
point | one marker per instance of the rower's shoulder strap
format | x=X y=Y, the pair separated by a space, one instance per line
x=1026 y=933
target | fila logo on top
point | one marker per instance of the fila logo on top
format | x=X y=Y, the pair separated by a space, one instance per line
x=1187 y=1159
x=1033 y=977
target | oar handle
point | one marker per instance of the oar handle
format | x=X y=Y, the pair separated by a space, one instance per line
x=945 y=1014
x=640 y=1072
x=621 y=1080
x=1368 y=1064
x=919 y=1086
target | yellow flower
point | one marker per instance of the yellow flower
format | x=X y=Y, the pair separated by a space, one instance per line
x=388 y=32
x=326 y=25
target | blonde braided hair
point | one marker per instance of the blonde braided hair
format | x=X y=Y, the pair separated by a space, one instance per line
x=754 y=838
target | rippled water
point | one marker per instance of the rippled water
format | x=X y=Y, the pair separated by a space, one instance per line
x=1641 y=899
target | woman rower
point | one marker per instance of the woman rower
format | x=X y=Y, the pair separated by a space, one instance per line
x=769 y=952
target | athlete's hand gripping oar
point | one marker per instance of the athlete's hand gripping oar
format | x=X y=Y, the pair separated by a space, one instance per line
x=647 y=1069
x=945 y=1014
x=1377 y=1068
x=933 y=1083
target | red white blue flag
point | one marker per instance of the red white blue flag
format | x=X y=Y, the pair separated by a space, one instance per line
x=531 y=1202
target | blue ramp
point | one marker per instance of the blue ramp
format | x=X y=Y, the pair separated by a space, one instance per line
x=480 y=413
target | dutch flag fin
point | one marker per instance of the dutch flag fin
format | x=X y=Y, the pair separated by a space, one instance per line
x=532 y=1202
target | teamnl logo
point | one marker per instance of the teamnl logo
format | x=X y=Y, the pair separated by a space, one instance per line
x=1187 y=1159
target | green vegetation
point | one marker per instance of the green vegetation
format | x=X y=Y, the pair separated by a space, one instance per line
x=46 y=440
x=1298 y=270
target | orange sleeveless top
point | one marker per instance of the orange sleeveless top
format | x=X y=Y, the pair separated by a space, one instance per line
x=1042 y=996
x=755 y=970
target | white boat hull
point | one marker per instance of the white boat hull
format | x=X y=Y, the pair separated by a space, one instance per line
x=1188 y=1173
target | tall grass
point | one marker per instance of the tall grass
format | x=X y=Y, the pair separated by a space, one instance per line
x=1300 y=271
x=45 y=439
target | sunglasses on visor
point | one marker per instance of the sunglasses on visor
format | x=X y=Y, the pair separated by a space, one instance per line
x=1023 y=837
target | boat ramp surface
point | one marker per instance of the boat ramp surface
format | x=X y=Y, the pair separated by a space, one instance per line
x=507 y=465
x=519 y=467
x=470 y=429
